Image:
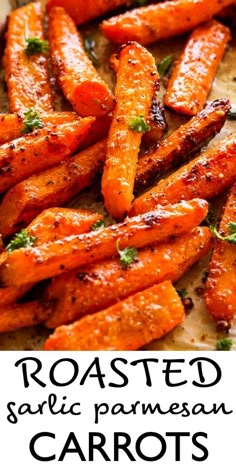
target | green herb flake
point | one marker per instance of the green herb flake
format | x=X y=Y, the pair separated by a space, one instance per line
x=127 y=255
x=89 y=46
x=224 y=344
x=36 y=46
x=139 y=3
x=164 y=65
x=139 y=124
x=32 y=120
x=98 y=224
x=232 y=113
x=21 y=240
x=231 y=238
x=182 y=292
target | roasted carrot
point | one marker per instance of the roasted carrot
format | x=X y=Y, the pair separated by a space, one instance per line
x=126 y=326
x=76 y=75
x=26 y=76
x=98 y=131
x=164 y=20
x=23 y=315
x=48 y=260
x=57 y=223
x=52 y=187
x=220 y=295
x=81 y=13
x=99 y=286
x=205 y=177
x=137 y=81
x=177 y=147
x=51 y=225
x=12 y=124
x=156 y=119
x=39 y=150
x=193 y=75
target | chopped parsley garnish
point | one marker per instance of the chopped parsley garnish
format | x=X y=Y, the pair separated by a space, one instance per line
x=98 y=224
x=89 y=45
x=182 y=292
x=231 y=238
x=164 y=65
x=36 y=46
x=224 y=344
x=32 y=120
x=232 y=113
x=139 y=124
x=139 y=3
x=127 y=255
x=21 y=240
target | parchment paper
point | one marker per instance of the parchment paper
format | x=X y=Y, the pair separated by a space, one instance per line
x=198 y=332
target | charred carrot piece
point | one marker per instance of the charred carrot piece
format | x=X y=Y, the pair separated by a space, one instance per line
x=137 y=81
x=23 y=315
x=156 y=118
x=126 y=326
x=187 y=139
x=220 y=295
x=82 y=14
x=57 y=223
x=164 y=20
x=192 y=78
x=51 y=225
x=12 y=124
x=39 y=150
x=76 y=75
x=95 y=287
x=26 y=76
x=52 y=187
x=48 y=260
x=205 y=177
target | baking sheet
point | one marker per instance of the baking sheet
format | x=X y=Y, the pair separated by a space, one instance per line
x=197 y=332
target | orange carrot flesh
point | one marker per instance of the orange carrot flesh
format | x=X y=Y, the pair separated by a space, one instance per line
x=57 y=223
x=183 y=142
x=95 y=287
x=76 y=75
x=164 y=20
x=14 y=317
x=48 y=260
x=11 y=124
x=204 y=177
x=26 y=76
x=137 y=78
x=192 y=78
x=126 y=326
x=52 y=187
x=220 y=295
x=51 y=225
x=39 y=150
x=82 y=14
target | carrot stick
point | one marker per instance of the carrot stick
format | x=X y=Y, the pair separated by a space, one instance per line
x=52 y=187
x=98 y=286
x=177 y=147
x=57 y=223
x=49 y=226
x=76 y=75
x=220 y=295
x=39 y=150
x=26 y=76
x=192 y=78
x=35 y=264
x=11 y=124
x=205 y=177
x=23 y=315
x=164 y=20
x=126 y=326
x=137 y=78
x=94 y=9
